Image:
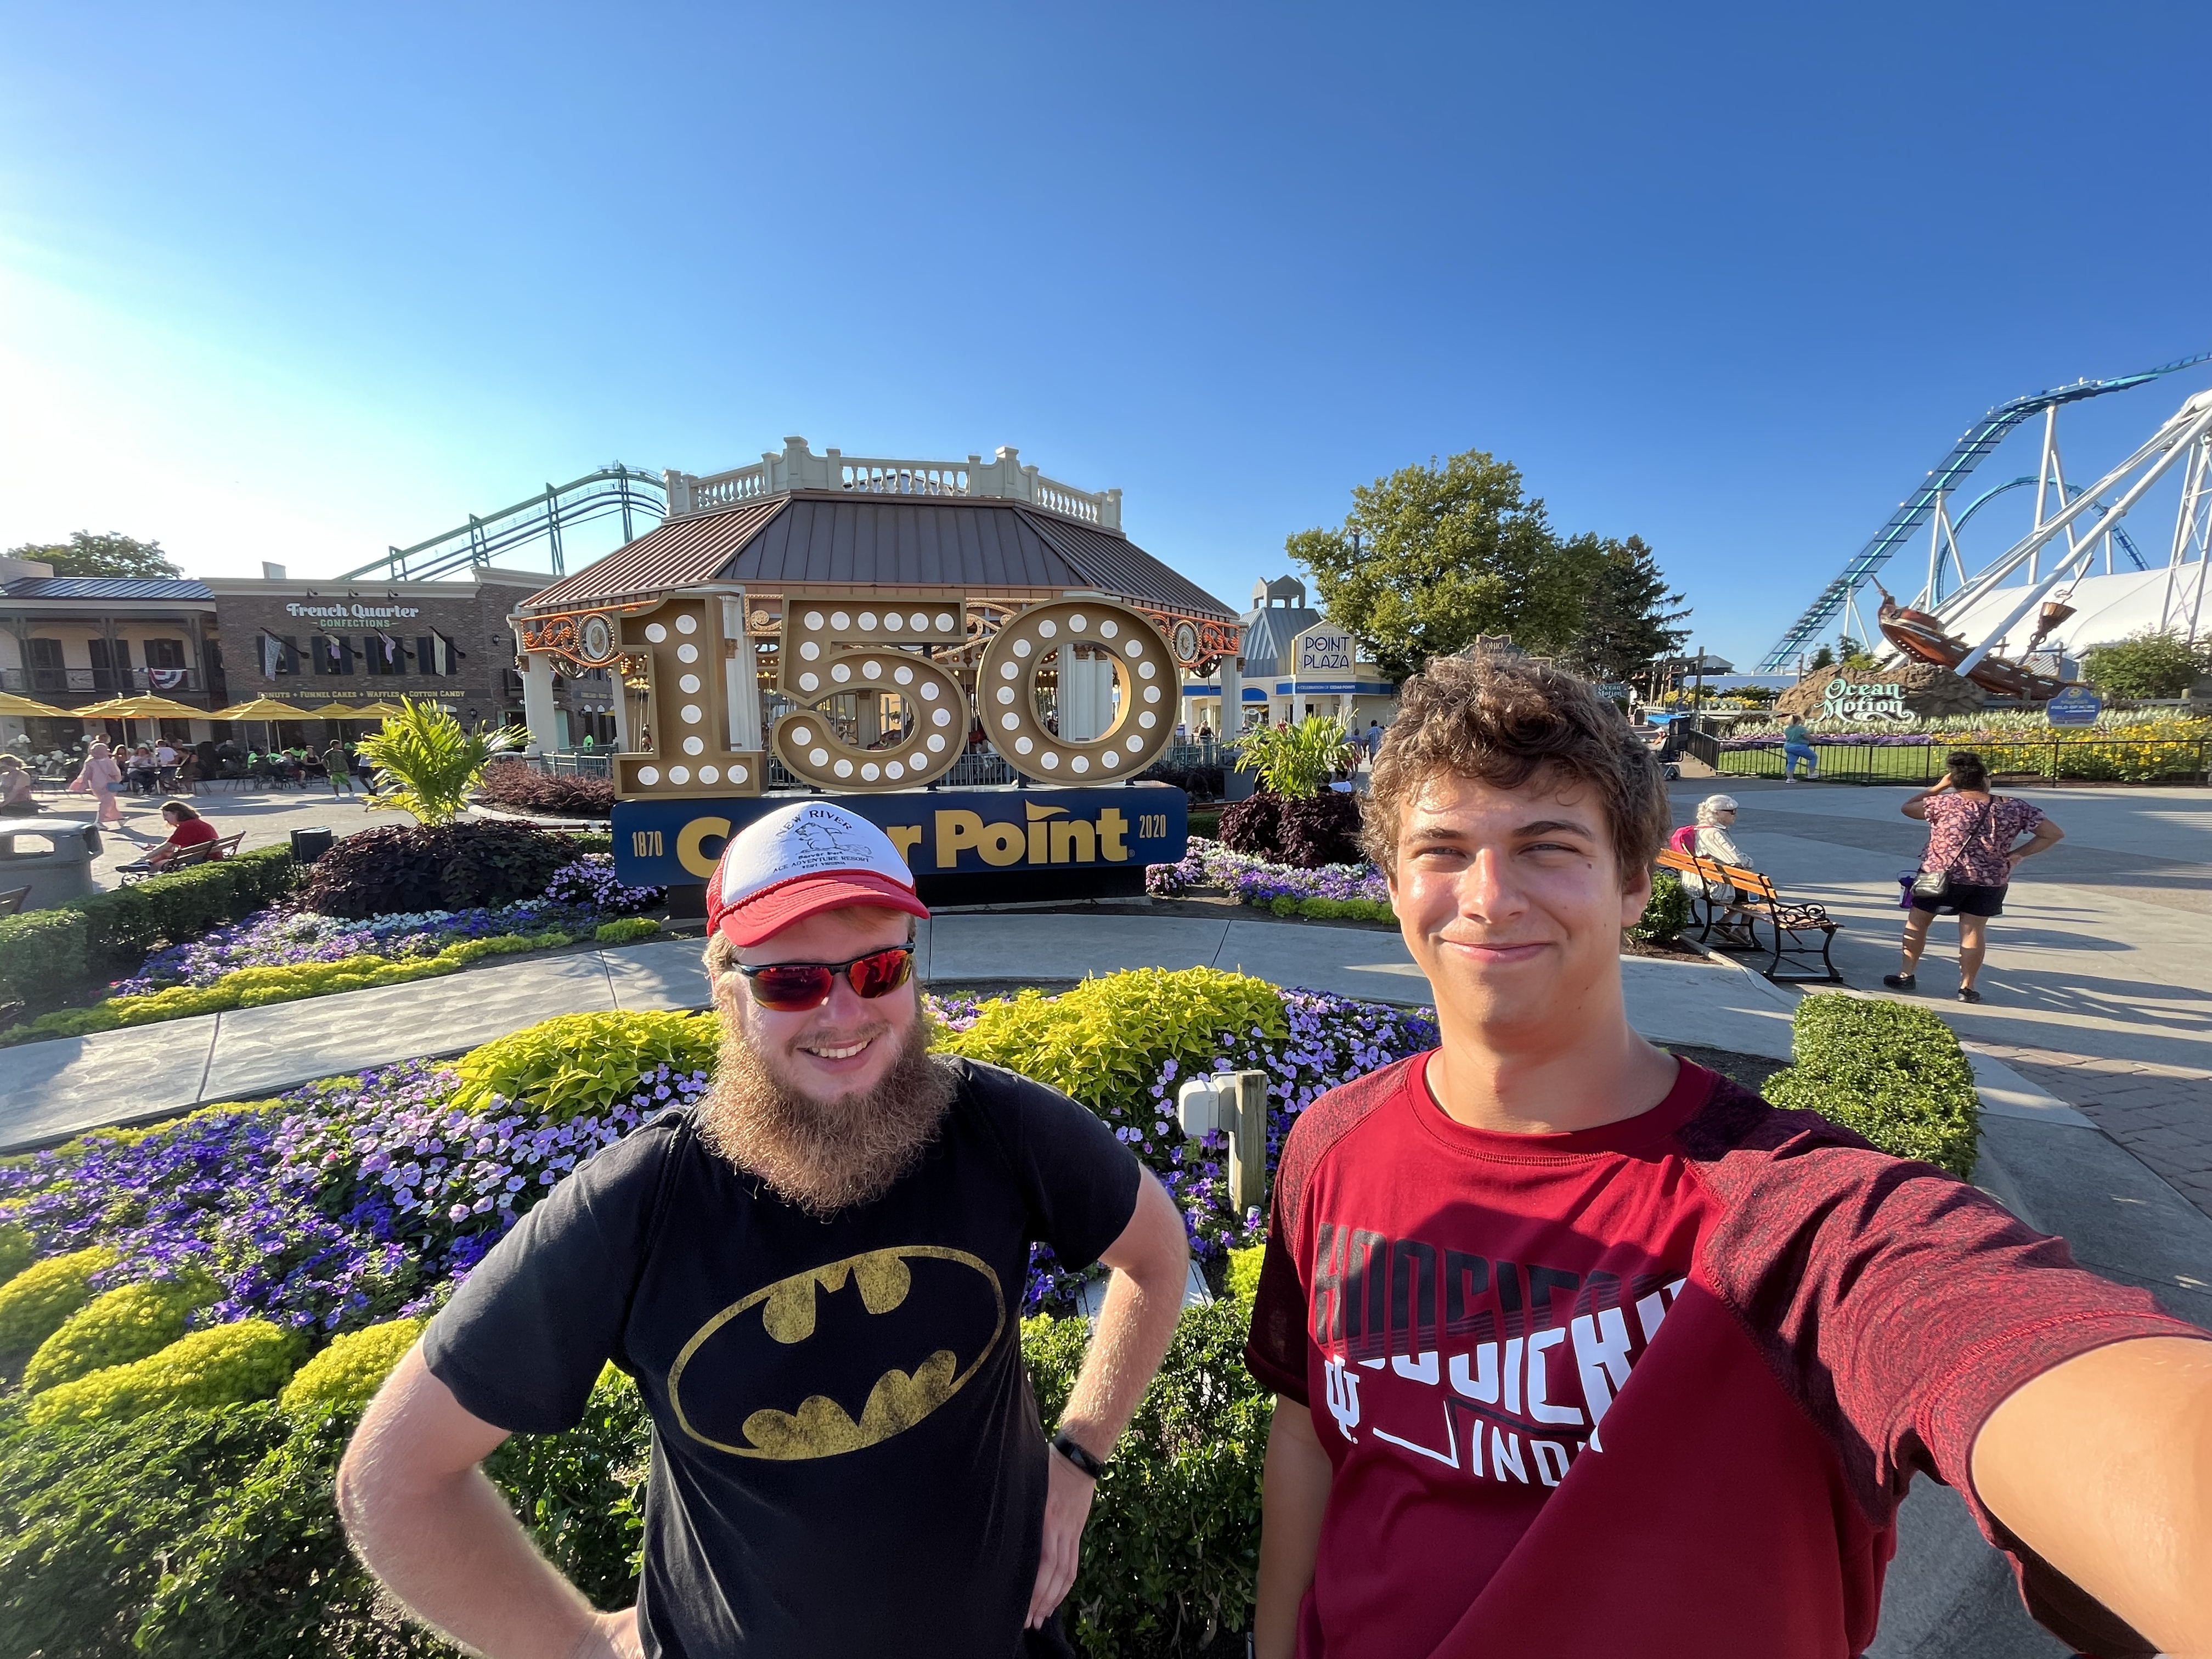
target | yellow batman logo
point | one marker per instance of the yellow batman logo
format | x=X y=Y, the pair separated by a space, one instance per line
x=922 y=1306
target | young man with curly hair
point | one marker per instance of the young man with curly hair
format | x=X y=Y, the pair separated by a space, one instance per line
x=1583 y=1350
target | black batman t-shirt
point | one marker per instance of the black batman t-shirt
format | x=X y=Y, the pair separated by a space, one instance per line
x=845 y=1456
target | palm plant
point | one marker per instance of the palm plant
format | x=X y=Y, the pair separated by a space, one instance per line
x=426 y=764
x=1295 y=762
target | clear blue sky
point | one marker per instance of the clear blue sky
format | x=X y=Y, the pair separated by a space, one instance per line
x=299 y=282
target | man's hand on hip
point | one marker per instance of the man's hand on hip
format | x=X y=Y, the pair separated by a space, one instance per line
x=1066 y=1507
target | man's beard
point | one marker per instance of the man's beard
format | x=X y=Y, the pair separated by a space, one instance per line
x=824 y=1156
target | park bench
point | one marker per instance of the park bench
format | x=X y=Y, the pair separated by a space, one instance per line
x=203 y=853
x=1792 y=925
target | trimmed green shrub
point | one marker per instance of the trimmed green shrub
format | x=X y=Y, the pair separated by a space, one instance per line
x=224 y=1366
x=257 y=987
x=89 y=1519
x=1243 y=1275
x=624 y=929
x=1105 y=1041
x=16 y=1250
x=344 y=1375
x=112 y=1329
x=440 y=866
x=1171 y=1553
x=262 y=1569
x=582 y=1493
x=1668 y=912
x=35 y=1301
x=578 y=1063
x=581 y=841
x=1894 y=1073
x=51 y=955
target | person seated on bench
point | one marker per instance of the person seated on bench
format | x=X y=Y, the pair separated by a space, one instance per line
x=188 y=829
x=1716 y=813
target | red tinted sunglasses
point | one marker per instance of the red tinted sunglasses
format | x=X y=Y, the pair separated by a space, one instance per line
x=793 y=987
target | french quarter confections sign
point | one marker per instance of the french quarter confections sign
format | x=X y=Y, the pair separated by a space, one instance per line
x=1843 y=701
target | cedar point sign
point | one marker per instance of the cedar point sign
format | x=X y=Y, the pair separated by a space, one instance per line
x=857 y=626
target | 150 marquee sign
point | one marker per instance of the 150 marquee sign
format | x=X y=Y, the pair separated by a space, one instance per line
x=1112 y=671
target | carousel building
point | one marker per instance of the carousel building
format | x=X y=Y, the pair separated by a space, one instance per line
x=868 y=593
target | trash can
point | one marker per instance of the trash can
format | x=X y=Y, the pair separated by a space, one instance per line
x=308 y=845
x=50 y=856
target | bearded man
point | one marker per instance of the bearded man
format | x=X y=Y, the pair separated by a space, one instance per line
x=815 y=1277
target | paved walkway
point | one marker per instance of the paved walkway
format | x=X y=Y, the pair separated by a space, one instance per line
x=52 y=1089
x=265 y=816
x=2098 y=981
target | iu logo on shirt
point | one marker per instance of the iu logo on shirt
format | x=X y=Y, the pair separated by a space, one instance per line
x=1504 y=1370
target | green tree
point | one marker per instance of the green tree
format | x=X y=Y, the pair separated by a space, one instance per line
x=111 y=554
x=1444 y=554
x=2148 y=665
x=1823 y=658
x=1627 y=622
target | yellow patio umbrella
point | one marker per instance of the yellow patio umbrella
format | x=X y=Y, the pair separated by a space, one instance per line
x=12 y=704
x=373 y=711
x=261 y=708
x=147 y=708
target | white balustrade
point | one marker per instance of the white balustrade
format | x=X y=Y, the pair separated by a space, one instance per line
x=797 y=467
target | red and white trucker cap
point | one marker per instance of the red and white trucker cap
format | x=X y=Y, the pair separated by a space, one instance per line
x=796 y=860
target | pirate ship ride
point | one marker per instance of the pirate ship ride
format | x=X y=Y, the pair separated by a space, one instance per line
x=1924 y=637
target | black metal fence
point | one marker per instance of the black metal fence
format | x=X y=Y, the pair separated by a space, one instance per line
x=2074 y=757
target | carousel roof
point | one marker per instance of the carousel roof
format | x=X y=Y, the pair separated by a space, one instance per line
x=984 y=545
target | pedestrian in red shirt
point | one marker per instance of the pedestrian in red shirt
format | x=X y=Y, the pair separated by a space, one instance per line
x=1582 y=1350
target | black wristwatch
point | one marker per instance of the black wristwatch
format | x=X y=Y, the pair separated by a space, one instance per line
x=1076 y=1453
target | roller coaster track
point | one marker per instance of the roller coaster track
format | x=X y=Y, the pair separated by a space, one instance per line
x=1984 y=436
x=617 y=489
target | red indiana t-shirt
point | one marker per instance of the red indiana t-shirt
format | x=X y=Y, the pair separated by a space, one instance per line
x=1656 y=1388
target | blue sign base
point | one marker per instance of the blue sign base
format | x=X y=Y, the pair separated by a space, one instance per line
x=997 y=845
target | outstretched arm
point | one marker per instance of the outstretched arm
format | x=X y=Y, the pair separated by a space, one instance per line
x=2103 y=1467
x=1151 y=1262
x=435 y=1530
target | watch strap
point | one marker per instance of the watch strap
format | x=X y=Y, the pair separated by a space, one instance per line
x=1076 y=1453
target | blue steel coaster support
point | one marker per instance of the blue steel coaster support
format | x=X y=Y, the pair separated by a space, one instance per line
x=1984 y=436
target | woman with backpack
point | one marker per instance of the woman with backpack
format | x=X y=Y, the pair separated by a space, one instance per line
x=1968 y=865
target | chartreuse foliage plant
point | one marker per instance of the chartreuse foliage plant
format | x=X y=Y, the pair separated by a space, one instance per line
x=578 y=1064
x=115 y=1329
x=426 y=762
x=344 y=1375
x=17 y=1251
x=1243 y=1276
x=1893 y=1072
x=1105 y=1042
x=255 y=987
x=223 y=1365
x=1327 y=909
x=35 y=1301
x=622 y=930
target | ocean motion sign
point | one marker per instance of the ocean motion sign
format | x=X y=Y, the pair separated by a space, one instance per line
x=1843 y=701
x=882 y=688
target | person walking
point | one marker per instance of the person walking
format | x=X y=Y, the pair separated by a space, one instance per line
x=98 y=777
x=339 y=765
x=1473 y=1255
x=1797 y=745
x=1971 y=836
x=815 y=1277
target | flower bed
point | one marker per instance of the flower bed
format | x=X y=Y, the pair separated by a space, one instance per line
x=1335 y=890
x=284 y=953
